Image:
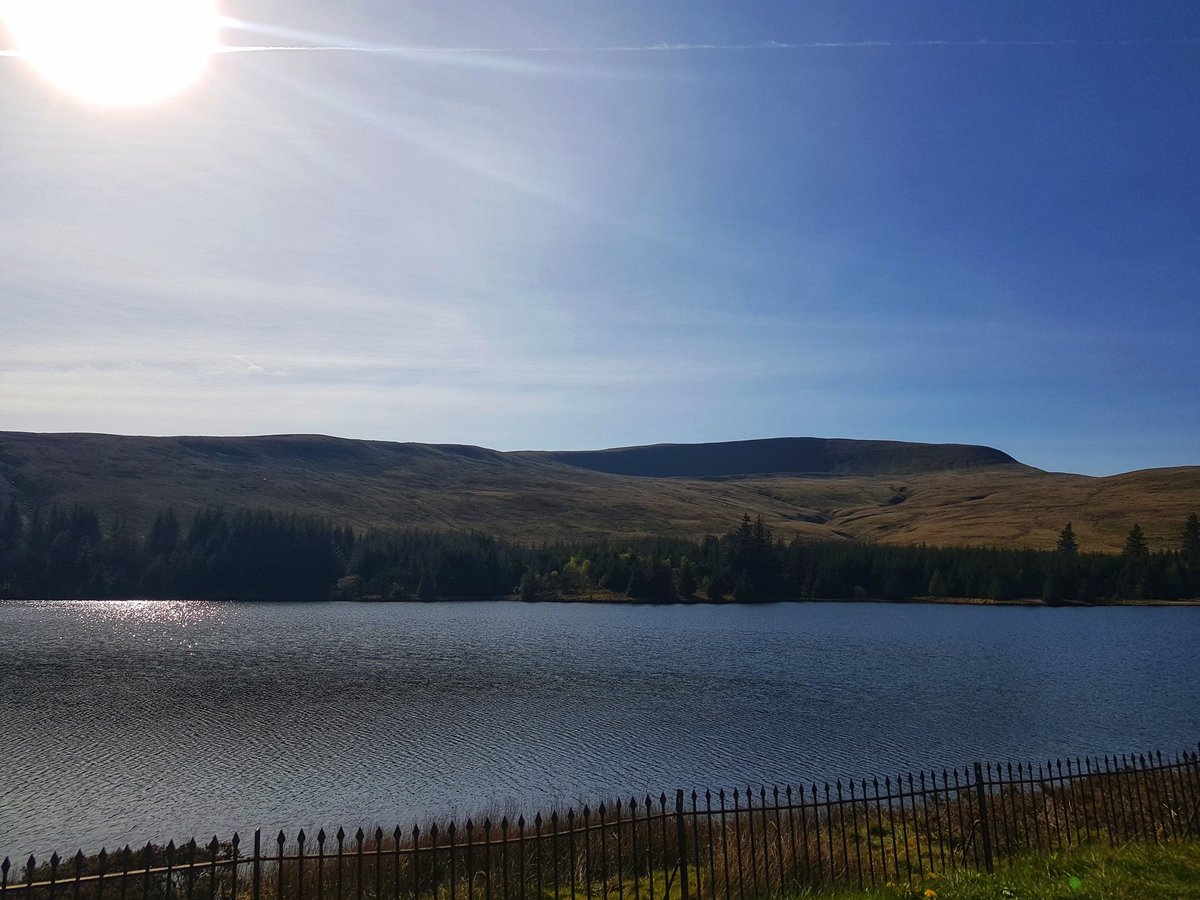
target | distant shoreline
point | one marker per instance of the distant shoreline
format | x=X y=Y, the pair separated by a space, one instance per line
x=622 y=600
x=932 y=601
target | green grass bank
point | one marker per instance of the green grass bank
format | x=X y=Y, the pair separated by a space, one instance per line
x=1093 y=872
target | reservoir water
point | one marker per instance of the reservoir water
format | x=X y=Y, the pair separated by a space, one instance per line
x=131 y=721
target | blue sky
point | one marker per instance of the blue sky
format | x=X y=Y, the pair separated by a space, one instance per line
x=975 y=222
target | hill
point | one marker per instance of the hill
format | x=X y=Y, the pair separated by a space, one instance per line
x=883 y=491
x=798 y=456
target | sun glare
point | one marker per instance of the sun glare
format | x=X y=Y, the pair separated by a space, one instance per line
x=115 y=52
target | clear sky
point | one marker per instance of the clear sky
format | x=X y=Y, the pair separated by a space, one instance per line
x=933 y=221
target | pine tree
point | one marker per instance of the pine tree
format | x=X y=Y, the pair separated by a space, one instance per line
x=1066 y=541
x=427 y=589
x=1135 y=544
x=1190 y=542
x=937 y=584
x=686 y=579
x=10 y=527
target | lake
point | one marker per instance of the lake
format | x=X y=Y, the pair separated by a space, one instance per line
x=129 y=721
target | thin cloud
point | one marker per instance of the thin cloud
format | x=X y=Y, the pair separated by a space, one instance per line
x=664 y=47
x=668 y=47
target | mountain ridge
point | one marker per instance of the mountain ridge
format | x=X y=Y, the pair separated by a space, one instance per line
x=887 y=491
x=784 y=455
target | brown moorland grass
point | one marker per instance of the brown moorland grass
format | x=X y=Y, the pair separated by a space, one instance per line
x=372 y=484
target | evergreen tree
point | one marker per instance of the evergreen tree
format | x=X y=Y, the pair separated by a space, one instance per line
x=743 y=591
x=1190 y=541
x=164 y=534
x=686 y=585
x=1066 y=541
x=1051 y=590
x=937 y=585
x=715 y=588
x=427 y=589
x=1135 y=544
x=531 y=587
x=10 y=527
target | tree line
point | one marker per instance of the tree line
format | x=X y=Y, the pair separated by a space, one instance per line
x=262 y=555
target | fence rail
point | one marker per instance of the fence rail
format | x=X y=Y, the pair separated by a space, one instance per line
x=744 y=843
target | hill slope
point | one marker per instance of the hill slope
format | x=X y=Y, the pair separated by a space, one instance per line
x=874 y=490
x=801 y=456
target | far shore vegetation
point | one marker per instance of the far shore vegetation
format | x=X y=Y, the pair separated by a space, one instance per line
x=258 y=555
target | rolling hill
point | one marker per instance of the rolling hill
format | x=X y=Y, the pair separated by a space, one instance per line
x=886 y=491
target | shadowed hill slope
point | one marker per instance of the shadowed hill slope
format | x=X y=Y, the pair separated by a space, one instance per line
x=873 y=490
x=801 y=456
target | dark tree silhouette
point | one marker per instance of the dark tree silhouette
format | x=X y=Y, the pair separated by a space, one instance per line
x=1066 y=541
x=1135 y=544
x=1189 y=543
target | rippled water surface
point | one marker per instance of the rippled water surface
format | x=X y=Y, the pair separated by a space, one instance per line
x=130 y=721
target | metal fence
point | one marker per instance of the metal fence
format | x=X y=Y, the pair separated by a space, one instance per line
x=739 y=844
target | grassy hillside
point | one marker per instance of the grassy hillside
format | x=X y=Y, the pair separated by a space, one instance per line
x=881 y=491
x=807 y=456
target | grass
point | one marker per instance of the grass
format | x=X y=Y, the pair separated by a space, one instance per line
x=1131 y=872
x=380 y=485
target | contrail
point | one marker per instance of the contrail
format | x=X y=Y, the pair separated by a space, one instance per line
x=664 y=47
x=683 y=48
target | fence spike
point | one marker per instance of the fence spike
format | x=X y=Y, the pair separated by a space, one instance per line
x=378 y=836
x=236 y=840
x=321 y=838
x=280 y=840
x=359 y=835
x=300 y=838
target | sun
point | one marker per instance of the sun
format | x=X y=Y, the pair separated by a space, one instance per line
x=115 y=52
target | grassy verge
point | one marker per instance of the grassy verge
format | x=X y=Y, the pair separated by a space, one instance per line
x=1133 y=872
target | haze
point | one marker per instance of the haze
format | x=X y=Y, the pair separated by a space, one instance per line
x=959 y=223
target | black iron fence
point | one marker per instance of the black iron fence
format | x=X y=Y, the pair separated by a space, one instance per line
x=739 y=844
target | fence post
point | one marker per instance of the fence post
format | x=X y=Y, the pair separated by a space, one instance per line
x=1196 y=808
x=256 y=885
x=681 y=837
x=985 y=832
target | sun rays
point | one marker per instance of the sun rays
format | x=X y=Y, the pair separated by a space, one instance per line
x=117 y=53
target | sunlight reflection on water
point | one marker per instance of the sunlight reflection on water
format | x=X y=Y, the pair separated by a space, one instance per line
x=144 y=719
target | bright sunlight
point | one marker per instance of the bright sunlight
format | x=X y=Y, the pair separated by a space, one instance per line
x=115 y=52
